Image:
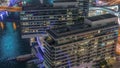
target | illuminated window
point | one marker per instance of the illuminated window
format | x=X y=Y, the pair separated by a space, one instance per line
x=26 y=30
x=51 y=17
x=95 y=43
x=80 y=3
x=103 y=44
x=69 y=18
x=24 y=18
x=99 y=31
x=57 y=62
x=32 y=39
x=70 y=13
x=95 y=46
x=110 y=42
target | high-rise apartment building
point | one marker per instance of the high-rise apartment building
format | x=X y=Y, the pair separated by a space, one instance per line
x=35 y=21
x=82 y=46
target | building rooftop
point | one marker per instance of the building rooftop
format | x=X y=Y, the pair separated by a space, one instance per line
x=43 y=7
x=101 y=17
x=74 y=29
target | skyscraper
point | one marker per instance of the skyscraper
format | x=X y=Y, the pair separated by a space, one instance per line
x=82 y=46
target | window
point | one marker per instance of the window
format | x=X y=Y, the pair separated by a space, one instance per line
x=102 y=44
x=81 y=3
x=110 y=42
x=24 y=18
x=99 y=31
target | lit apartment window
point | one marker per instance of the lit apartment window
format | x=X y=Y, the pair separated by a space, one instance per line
x=61 y=41
x=81 y=51
x=102 y=44
x=95 y=46
x=63 y=18
x=107 y=56
x=70 y=13
x=85 y=42
x=32 y=39
x=70 y=22
x=70 y=18
x=48 y=22
x=57 y=62
x=26 y=30
x=33 y=30
x=99 y=31
x=110 y=42
x=24 y=18
x=36 y=30
x=51 y=17
x=95 y=43
x=80 y=3
x=88 y=36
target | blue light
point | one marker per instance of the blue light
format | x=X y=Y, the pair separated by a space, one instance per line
x=40 y=45
x=5 y=13
x=1 y=15
x=68 y=60
x=39 y=55
x=12 y=3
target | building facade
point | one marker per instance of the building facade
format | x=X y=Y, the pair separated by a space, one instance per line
x=82 y=46
x=35 y=21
